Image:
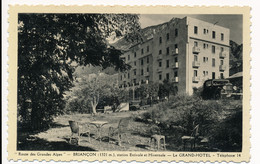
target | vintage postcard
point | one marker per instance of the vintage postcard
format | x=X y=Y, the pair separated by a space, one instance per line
x=130 y=83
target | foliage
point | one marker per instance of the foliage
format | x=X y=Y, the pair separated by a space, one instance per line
x=236 y=58
x=198 y=91
x=90 y=90
x=181 y=114
x=50 y=45
x=166 y=88
x=148 y=90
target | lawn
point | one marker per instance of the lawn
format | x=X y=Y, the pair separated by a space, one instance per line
x=57 y=137
x=140 y=130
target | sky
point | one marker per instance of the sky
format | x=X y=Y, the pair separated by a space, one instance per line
x=233 y=22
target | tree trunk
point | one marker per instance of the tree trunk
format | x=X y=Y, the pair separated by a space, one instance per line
x=94 y=104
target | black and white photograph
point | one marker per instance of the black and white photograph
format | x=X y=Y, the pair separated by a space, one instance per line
x=129 y=82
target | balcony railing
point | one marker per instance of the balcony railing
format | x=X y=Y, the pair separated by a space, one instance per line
x=159 y=69
x=146 y=74
x=195 y=64
x=175 y=65
x=175 y=51
x=222 y=54
x=175 y=79
x=222 y=67
x=196 y=50
x=159 y=57
x=195 y=79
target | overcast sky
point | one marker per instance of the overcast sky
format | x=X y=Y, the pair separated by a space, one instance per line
x=233 y=22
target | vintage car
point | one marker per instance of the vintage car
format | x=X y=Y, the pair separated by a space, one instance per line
x=135 y=105
x=217 y=88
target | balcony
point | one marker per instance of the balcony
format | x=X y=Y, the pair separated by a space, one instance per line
x=159 y=57
x=175 y=79
x=195 y=64
x=222 y=67
x=175 y=65
x=175 y=51
x=195 y=79
x=146 y=74
x=196 y=50
x=159 y=69
x=133 y=67
x=222 y=54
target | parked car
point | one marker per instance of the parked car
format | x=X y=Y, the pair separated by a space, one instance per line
x=217 y=88
x=134 y=105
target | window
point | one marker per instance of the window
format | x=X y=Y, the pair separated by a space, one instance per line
x=176 y=74
x=176 y=46
x=142 y=71
x=213 y=75
x=142 y=62
x=135 y=54
x=204 y=31
x=213 y=34
x=167 y=76
x=204 y=45
x=195 y=73
x=221 y=49
x=160 y=52
x=167 y=63
x=205 y=59
x=160 y=77
x=176 y=60
x=195 y=57
x=221 y=62
x=167 y=51
x=168 y=36
x=205 y=73
x=176 y=32
x=135 y=63
x=142 y=51
x=222 y=36
x=147 y=48
x=221 y=75
x=160 y=64
x=195 y=44
x=213 y=50
x=213 y=62
x=195 y=30
x=160 y=40
x=147 y=60
x=134 y=81
x=134 y=72
x=128 y=75
x=147 y=69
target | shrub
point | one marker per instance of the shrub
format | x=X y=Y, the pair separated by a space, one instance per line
x=182 y=113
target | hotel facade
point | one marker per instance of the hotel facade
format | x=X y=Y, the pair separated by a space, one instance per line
x=184 y=51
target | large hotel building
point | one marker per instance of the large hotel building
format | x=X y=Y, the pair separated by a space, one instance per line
x=185 y=51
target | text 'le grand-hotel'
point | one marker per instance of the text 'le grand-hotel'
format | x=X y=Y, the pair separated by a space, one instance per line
x=185 y=51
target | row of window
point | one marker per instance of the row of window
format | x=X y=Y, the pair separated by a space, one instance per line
x=206 y=59
x=206 y=31
x=168 y=36
x=167 y=75
x=206 y=73
x=205 y=46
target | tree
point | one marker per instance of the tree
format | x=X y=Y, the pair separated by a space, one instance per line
x=148 y=91
x=166 y=88
x=49 y=48
x=91 y=90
